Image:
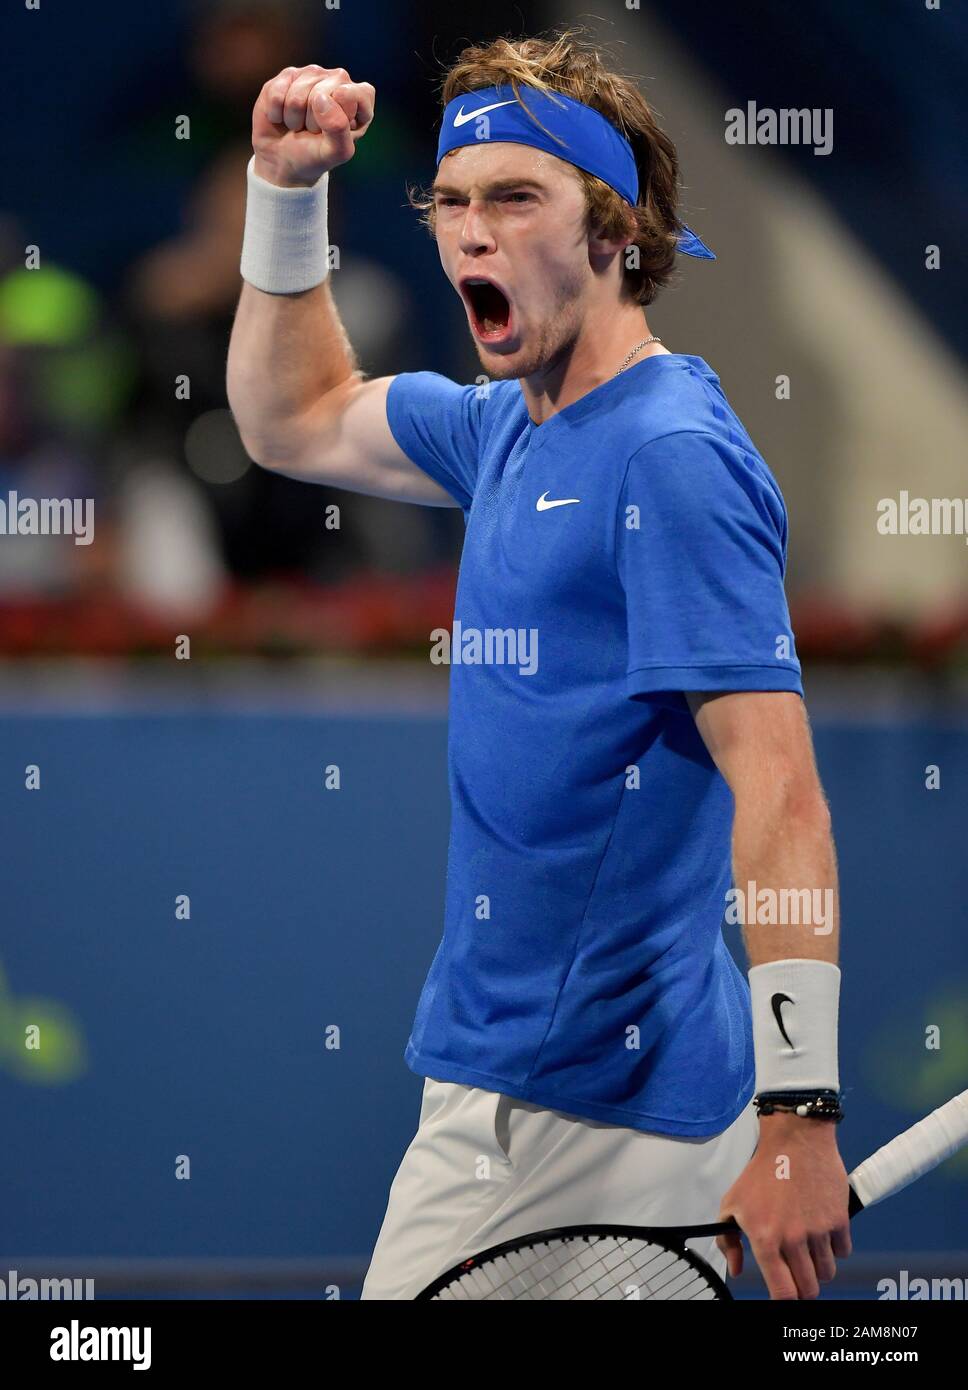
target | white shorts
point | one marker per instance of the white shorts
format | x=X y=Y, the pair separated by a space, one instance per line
x=484 y=1167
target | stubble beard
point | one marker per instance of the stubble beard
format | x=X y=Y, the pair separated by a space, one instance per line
x=556 y=337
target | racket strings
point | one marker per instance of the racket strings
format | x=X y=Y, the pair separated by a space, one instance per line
x=573 y=1268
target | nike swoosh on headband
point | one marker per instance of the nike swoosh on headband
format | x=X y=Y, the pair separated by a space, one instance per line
x=463 y=116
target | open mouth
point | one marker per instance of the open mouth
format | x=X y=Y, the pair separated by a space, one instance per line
x=490 y=309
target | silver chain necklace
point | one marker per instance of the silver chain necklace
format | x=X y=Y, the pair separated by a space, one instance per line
x=638 y=348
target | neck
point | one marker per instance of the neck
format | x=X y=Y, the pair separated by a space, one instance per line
x=604 y=341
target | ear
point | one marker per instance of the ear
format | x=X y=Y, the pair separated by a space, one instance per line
x=601 y=245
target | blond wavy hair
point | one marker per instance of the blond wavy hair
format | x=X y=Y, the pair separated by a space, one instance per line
x=566 y=62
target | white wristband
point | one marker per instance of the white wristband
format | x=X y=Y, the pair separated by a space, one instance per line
x=285 y=247
x=795 y=1005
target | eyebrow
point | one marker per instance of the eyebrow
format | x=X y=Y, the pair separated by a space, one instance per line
x=498 y=186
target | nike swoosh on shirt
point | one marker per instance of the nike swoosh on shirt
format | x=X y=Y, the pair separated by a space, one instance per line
x=463 y=117
x=777 y=1002
x=543 y=505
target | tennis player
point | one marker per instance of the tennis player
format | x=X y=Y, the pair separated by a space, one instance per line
x=628 y=741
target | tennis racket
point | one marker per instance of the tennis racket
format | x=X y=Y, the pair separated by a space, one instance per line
x=652 y=1262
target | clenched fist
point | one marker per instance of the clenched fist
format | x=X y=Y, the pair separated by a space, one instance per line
x=308 y=120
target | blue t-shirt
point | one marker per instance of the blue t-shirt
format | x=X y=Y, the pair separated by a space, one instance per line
x=630 y=548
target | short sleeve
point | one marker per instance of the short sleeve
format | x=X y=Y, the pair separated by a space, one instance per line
x=436 y=423
x=701 y=552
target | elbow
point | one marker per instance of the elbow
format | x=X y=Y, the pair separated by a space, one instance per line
x=804 y=804
x=255 y=448
x=265 y=449
x=805 y=814
x=790 y=796
x=241 y=419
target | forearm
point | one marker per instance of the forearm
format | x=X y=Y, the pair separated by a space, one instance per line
x=786 y=884
x=286 y=353
x=785 y=876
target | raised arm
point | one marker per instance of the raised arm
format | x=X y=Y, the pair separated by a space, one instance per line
x=301 y=404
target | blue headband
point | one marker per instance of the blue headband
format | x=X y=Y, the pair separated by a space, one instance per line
x=578 y=134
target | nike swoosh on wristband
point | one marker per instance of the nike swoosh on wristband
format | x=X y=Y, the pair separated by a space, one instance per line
x=463 y=117
x=777 y=1002
x=543 y=505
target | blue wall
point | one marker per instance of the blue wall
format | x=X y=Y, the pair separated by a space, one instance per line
x=312 y=907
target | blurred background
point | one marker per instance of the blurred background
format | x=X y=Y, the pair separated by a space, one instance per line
x=262 y=1034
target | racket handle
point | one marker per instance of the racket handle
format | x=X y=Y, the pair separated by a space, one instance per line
x=916 y=1151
